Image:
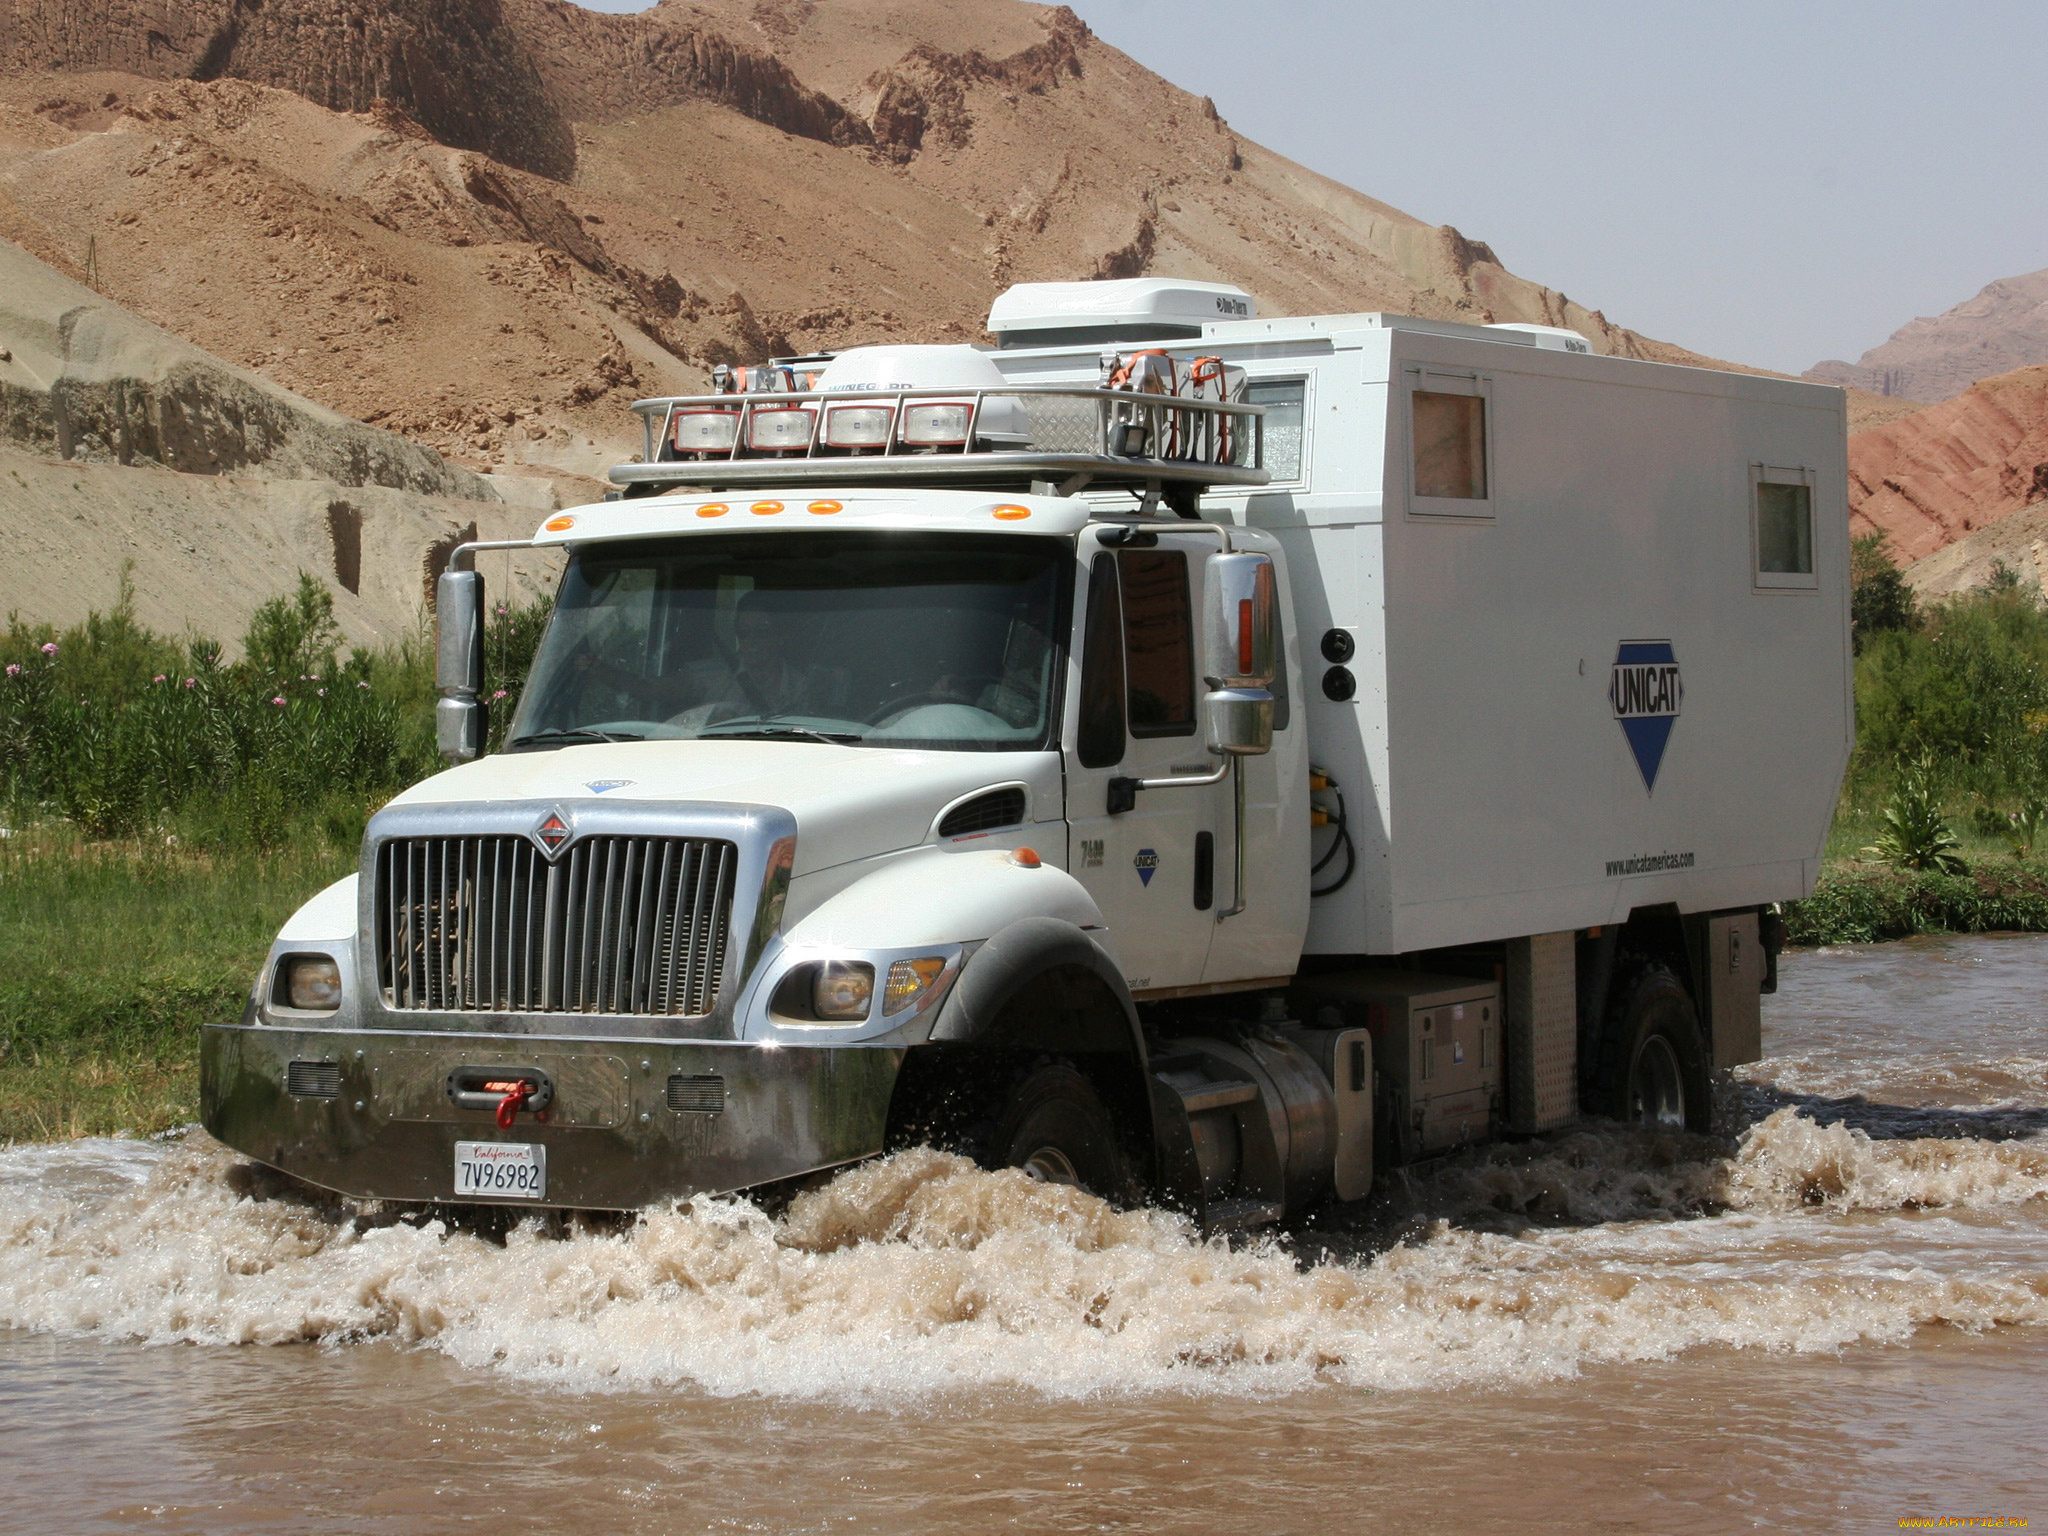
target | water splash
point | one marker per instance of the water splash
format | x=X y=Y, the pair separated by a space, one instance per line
x=921 y=1274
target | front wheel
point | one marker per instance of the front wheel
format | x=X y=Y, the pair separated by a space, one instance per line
x=1055 y=1128
x=1654 y=1063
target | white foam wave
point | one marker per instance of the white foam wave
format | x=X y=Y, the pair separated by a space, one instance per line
x=1788 y=1160
x=1944 y=1078
x=921 y=1274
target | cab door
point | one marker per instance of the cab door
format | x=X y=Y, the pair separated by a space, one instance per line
x=1136 y=714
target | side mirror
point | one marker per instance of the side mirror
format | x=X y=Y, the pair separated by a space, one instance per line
x=1241 y=653
x=459 y=716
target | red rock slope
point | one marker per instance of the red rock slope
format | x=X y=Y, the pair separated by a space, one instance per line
x=1934 y=477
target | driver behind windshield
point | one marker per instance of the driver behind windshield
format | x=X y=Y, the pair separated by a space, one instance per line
x=769 y=671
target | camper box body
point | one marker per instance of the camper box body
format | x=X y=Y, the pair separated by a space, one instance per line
x=1516 y=753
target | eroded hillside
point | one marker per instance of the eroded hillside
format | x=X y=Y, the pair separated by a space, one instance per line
x=488 y=224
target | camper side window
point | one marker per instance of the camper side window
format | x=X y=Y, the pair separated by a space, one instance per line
x=1281 y=434
x=1781 y=527
x=1450 y=466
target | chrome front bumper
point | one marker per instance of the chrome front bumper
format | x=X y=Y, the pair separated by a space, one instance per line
x=372 y=1115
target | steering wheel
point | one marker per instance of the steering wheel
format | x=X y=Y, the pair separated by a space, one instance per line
x=966 y=694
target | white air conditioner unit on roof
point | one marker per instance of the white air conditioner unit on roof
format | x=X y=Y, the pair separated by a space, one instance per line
x=1130 y=309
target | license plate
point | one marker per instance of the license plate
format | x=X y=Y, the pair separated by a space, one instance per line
x=501 y=1170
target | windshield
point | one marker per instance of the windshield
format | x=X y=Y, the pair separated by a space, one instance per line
x=941 y=641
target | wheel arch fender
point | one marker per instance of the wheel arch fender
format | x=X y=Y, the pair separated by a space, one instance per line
x=1042 y=987
x=1026 y=955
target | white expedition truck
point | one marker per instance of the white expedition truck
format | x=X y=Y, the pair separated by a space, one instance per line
x=1202 y=757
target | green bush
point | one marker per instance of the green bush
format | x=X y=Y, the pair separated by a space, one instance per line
x=1861 y=905
x=1916 y=835
x=120 y=731
x=1967 y=690
x=1879 y=598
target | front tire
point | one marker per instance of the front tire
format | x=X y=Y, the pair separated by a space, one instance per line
x=1055 y=1128
x=1653 y=1070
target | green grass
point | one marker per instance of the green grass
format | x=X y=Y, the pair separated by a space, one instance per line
x=113 y=956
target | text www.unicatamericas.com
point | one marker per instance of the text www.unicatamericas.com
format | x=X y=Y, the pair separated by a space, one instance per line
x=1649 y=863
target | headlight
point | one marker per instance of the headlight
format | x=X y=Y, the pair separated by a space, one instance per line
x=909 y=980
x=843 y=989
x=313 y=982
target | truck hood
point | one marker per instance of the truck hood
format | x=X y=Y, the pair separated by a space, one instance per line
x=849 y=802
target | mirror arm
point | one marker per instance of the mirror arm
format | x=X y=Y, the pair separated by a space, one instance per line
x=1191 y=782
x=1123 y=792
x=1237 y=841
x=463 y=556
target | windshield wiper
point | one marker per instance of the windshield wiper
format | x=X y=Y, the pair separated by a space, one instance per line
x=771 y=732
x=580 y=733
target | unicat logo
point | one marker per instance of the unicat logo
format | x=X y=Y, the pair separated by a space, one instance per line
x=1646 y=692
x=1145 y=863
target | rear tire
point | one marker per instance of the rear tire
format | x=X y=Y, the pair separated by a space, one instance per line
x=1653 y=1070
x=1055 y=1128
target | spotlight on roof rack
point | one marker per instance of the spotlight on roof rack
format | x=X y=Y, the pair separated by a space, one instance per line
x=705 y=431
x=781 y=431
x=878 y=370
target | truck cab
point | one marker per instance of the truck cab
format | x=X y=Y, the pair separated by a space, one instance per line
x=932 y=744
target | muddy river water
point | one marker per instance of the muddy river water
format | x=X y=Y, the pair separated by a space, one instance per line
x=1833 y=1321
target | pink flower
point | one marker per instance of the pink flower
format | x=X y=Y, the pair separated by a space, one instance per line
x=158 y=678
x=49 y=648
x=278 y=700
x=191 y=682
x=499 y=694
x=321 y=691
x=14 y=669
x=362 y=685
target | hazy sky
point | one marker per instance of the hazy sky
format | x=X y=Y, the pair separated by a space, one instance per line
x=1769 y=181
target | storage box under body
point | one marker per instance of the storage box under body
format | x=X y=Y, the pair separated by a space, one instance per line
x=1436 y=1050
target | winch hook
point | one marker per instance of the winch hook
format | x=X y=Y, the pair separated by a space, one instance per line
x=513 y=1102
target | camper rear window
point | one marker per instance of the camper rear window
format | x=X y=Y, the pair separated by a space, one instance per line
x=1450 y=446
x=1784 y=529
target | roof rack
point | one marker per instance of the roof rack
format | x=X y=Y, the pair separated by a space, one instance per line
x=1063 y=435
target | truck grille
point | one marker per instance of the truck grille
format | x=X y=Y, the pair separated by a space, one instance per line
x=633 y=925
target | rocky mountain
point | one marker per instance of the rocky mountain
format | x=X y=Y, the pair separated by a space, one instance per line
x=2003 y=328
x=488 y=224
